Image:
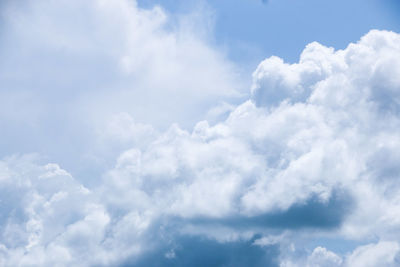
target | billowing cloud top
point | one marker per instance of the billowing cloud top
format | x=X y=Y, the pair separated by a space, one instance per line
x=304 y=173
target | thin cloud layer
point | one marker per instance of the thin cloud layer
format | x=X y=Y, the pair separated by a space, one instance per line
x=73 y=66
x=311 y=156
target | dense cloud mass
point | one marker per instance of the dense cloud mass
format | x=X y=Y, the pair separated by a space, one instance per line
x=304 y=173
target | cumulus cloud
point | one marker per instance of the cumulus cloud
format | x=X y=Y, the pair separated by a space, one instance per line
x=312 y=155
x=296 y=163
x=322 y=257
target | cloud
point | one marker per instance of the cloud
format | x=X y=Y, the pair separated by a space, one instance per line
x=312 y=154
x=71 y=77
x=195 y=251
x=311 y=214
x=323 y=257
x=46 y=212
x=382 y=253
x=279 y=165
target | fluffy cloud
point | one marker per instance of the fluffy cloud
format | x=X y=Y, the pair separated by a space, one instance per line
x=312 y=155
x=45 y=213
x=293 y=163
x=322 y=257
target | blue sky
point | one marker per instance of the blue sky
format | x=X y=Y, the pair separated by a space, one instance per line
x=200 y=133
x=252 y=30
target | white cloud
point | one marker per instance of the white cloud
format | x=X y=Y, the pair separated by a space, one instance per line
x=72 y=75
x=281 y=157
x=312 y=153
x=383 y=253
x=380 y=254
x=321 y=257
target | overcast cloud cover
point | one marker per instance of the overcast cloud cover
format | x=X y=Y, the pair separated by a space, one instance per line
x=172 y=162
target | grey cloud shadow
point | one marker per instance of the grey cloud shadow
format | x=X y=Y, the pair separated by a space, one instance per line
x=197 y=251
x=312 y=214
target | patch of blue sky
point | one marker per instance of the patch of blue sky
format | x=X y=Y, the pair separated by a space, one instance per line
x=253 y=30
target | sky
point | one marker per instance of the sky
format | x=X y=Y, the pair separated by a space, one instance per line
x=199 y=133
x=253 y=30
